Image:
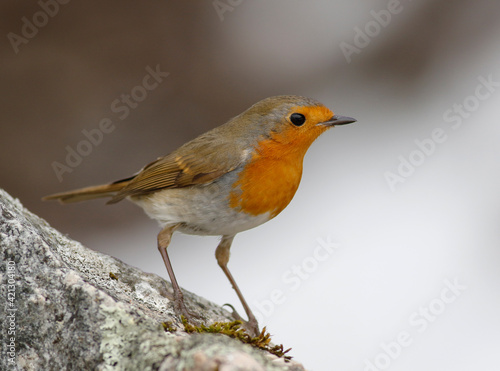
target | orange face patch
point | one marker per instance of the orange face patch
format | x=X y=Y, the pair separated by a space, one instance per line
x=269 y=181
x=300 y=138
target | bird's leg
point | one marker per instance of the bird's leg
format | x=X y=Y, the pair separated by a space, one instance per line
x=222 y=255
x=164 y=238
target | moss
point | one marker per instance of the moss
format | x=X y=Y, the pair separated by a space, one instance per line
x=113 y=276
x=168 y=326
x=233 y=329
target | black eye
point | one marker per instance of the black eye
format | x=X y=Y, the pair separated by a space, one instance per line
x=297 y=119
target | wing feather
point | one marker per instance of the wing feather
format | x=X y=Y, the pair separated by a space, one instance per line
x=194 y=163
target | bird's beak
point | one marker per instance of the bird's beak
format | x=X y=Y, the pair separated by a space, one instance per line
x=338 y=120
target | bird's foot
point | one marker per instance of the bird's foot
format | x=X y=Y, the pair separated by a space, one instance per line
x=251 y=325
x=181 y=310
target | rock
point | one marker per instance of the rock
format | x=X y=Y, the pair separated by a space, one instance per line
x=66 y=307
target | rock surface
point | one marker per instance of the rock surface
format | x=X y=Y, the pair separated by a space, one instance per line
x=63 y=310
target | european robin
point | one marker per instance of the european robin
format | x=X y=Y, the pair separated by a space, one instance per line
x=230 y=179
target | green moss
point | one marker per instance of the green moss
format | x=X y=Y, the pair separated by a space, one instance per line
x=168 y=326
x=233 y=329
x=113 y=276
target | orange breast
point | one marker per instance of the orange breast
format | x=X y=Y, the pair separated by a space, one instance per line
x=268 y=182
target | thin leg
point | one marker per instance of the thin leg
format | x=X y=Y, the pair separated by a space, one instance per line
x=222 y=255
x=164 y=238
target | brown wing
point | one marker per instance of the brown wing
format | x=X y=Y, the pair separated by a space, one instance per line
x=199 y=161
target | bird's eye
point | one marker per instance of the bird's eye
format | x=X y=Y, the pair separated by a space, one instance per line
x=297 y=119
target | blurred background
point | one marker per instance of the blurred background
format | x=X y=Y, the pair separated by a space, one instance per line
x=388 y=256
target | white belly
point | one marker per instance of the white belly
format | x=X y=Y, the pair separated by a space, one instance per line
x=200 y=210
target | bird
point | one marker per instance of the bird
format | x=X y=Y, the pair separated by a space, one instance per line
x=232 y=178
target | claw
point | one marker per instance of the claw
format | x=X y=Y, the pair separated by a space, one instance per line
x=234 y=313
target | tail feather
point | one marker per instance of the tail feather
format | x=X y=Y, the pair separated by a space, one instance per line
x=87 y=193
